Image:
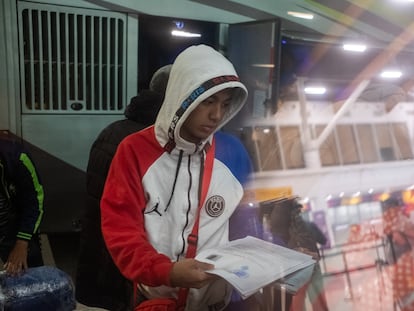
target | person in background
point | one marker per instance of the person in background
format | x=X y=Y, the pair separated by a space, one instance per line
x=290 y=230
x=315 y=289
x=21 y=208
x=98 y=281
x=151 y=195
x=400 y=230
x=355 y=235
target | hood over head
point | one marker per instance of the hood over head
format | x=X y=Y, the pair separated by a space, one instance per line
x=197 y=73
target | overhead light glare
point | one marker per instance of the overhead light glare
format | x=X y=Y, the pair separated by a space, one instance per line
x=300 y=15
x=354 y=47
x=180 y=33
x=391 y=74
x=315 y=90
x=264 y=65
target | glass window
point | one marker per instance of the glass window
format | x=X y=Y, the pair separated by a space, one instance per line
x=402 y=139
x=292 y=147
x=328 y=150
x=386 y=147
x=268 y=146
x=368 y=149
x=347 y=144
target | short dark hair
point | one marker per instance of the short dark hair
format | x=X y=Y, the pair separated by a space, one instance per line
x=159 y=80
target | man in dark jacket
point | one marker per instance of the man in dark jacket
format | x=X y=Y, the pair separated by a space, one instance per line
x=98 y=281
x=21 y=208
x=315 y=290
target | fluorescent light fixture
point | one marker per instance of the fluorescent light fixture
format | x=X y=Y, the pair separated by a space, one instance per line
x=353 y=47
x=300 y=15
x=266 y=131
x=264 y=65
x=179 y=33
x=391 y=74
x=315 y=90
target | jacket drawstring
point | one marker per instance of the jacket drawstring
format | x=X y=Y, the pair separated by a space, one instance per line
x=180 y=158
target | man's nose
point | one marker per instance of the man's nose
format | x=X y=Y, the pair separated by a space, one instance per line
x=216 y=111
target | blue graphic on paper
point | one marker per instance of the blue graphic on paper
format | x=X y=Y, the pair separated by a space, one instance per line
x=242 y=272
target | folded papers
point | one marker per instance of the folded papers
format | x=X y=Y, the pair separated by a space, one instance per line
x=249 y=264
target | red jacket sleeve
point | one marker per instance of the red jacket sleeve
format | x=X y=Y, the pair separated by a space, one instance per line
x=122 y=206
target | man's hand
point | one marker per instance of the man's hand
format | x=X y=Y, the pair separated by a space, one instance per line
x=190 y=273
x=17 y=261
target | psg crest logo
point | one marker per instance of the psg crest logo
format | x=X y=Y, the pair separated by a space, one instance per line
x=215 y=206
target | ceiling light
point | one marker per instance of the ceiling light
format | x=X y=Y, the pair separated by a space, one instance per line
x=300 y=15
x=179 y=33
x=356 y=194
x=354 y=47
x=316 y=90
x=264 y=65
x=391 y=74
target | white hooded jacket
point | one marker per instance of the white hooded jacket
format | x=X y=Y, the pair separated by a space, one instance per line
x=152 y=190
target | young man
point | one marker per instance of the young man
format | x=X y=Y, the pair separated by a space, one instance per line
x=98 y=281
x=151 y=195
x=21 y=208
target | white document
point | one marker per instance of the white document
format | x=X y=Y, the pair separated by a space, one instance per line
x=250 y=264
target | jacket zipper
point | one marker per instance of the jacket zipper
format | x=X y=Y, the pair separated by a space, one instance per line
x=3 y=185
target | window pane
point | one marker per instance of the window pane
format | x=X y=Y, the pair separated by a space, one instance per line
x=347 y=143
x=367 y=143
x=385 y=142
x=402 y=139
x=292 y=147
x=328 y=151
x=268 y=146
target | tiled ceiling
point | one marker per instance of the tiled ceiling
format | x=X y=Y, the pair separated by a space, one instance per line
x=386 y=26
x=382 y=20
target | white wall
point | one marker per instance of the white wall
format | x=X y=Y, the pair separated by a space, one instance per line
x=9 y=69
